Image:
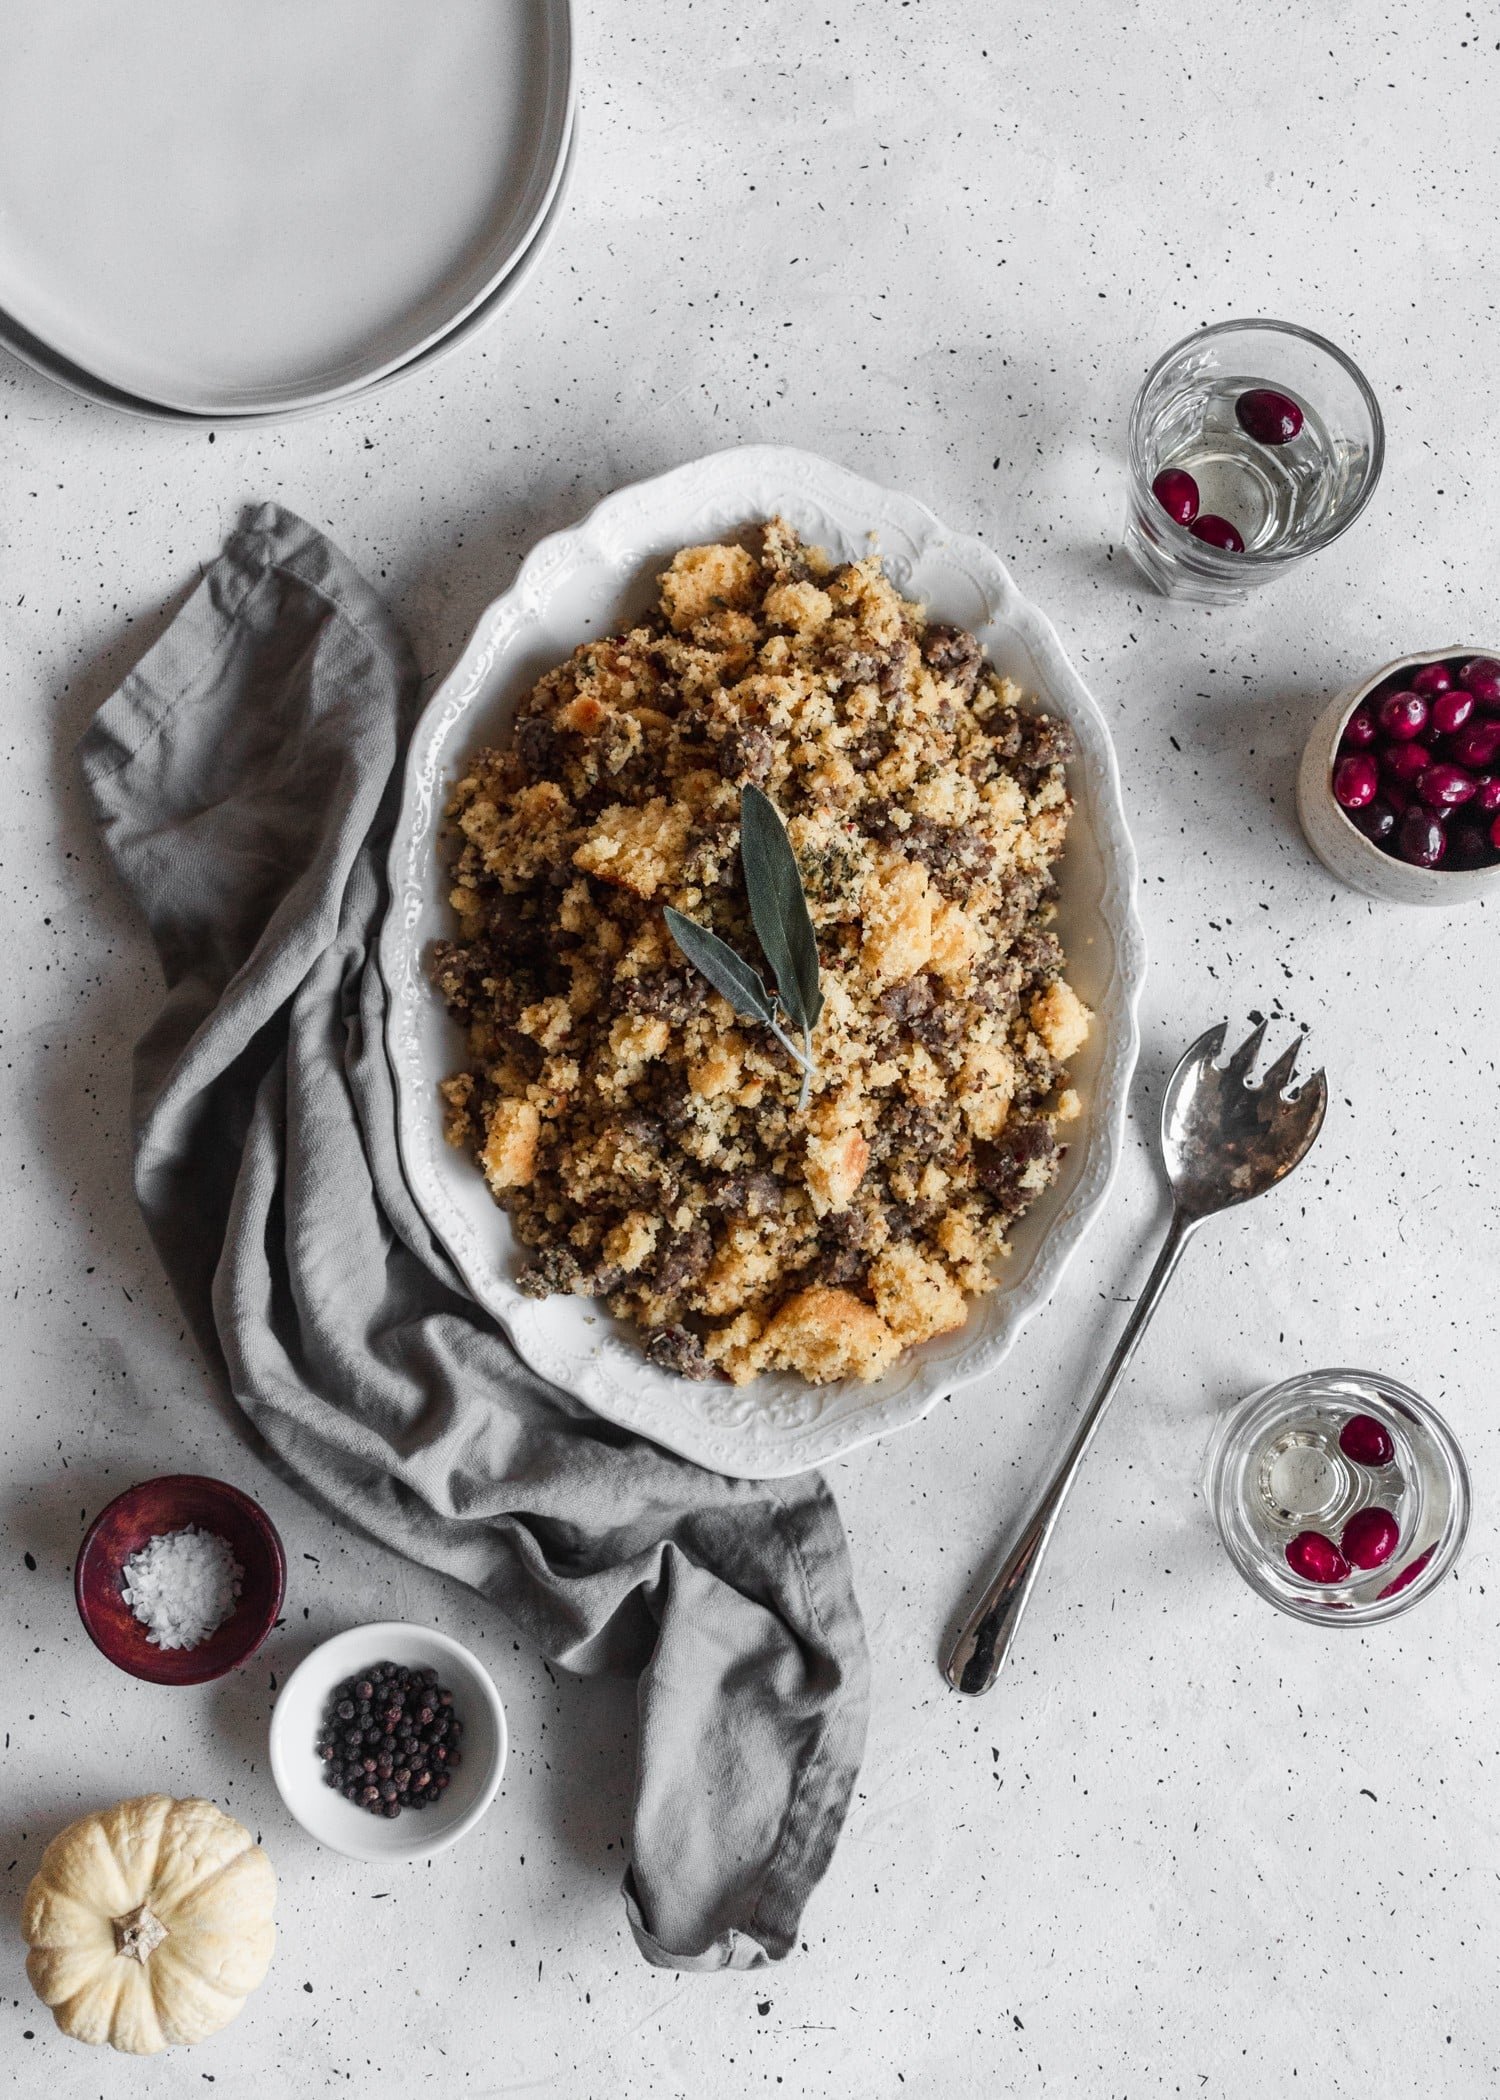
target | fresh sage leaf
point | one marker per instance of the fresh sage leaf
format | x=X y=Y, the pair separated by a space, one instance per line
x=726 y=972
x=778 y=905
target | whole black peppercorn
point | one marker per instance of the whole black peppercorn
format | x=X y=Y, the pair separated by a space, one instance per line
x=385 y=1733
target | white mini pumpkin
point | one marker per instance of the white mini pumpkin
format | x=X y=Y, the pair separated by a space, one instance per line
x=149 y=1923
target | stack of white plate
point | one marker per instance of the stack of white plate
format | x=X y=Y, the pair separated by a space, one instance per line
x=256 y=209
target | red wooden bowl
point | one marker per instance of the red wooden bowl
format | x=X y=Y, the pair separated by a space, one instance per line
x=131 y=1521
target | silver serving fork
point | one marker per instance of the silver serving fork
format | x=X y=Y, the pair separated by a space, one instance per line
x=1223 y=1141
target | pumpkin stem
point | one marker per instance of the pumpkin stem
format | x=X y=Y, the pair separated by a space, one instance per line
x=138 y=1934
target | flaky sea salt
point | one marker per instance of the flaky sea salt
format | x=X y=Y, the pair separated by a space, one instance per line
x=182 y=1585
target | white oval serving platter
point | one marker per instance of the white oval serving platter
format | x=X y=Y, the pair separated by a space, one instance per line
x=250 y=206
x=581 y=583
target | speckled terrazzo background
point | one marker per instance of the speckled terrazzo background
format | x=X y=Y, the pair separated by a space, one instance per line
x=1190 y=1847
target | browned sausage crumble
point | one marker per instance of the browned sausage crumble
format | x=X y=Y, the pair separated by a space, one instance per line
x=646 y=1142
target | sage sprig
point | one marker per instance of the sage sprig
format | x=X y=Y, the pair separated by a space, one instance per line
x=784 y=927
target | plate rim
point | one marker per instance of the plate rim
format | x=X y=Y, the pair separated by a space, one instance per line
x=561 y=99
x=797 y=1445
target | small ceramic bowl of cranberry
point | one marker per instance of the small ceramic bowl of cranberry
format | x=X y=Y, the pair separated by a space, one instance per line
x=1399 y=787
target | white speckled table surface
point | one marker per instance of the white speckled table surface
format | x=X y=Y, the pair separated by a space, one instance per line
x=1190 y=1847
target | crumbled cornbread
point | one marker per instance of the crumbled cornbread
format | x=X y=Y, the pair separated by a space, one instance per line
x=648 y=1144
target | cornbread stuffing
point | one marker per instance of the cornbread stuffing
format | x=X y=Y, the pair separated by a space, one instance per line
x=646 y=1141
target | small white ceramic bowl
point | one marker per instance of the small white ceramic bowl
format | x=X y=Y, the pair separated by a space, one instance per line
x=298 y=1771
x=1341 y=846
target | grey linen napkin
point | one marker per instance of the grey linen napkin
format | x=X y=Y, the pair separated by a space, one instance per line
x=245 y=777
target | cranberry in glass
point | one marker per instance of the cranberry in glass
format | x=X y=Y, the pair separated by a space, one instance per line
x=1487 y=795
x=1360 y=730
x=1468 y=847
x=1450 y=711
x=1270 y=418
x=1404 y=762
x=1481 y=676
x=1408 y=1574
x=1403 y=715
x=1421 y=839
x=1377 y=820
x=1215 y=531
x=1444 y=786
x=1367 y=1441
x=1315 y=1558
x=1431 y=680
x=1476 y=745
x=1370 y=1537
x=1177 y=493
x=1356 y=780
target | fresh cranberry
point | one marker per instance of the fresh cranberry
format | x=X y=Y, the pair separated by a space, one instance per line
x=1476 y=745
x=1405 y=762
x=1177 y=493
x=1377 y=820
x=1367 y=1441
x=1487 y=795
x=1403 y=715
x=1355 y=780
x=1408 y=1575
x=1396 y=793
x=1360 y=731
x=1481 y=677
x=1370 y=1537
x=1444 y=786
x=1495 y=834
x=1270 y=418
x=1315 y=1558
x=1431 y=680
x=1468 y=847
x=1450 y=711
x=1421 y=839
x=1215 y=531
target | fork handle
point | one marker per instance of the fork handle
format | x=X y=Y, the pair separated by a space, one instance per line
x=985 y=1641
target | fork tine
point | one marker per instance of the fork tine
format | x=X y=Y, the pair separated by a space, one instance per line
x=1276 y=1080
x=1242 y=1059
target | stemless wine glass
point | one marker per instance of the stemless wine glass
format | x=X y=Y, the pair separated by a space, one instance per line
x=1340 y=1495
x=1278 y=441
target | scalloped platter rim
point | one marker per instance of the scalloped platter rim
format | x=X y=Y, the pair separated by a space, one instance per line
x=579 y=583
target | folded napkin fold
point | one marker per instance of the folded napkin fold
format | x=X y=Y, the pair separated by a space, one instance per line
x=245 y=778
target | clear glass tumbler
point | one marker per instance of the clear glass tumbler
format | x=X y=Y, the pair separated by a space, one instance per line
x=1343 y=1525
x=1284 y=486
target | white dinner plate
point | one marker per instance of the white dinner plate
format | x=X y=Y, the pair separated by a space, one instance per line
x=46 y=361
x=252 y=205
x=582 y=583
